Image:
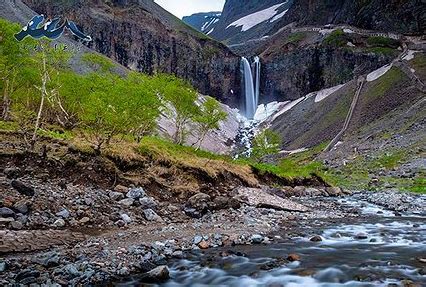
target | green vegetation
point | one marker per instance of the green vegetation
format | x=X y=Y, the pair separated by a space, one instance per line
x=296 y=37
x=378 y=41
x=40 y=90
x=383 y=50
x=381 y=86
x=337 y=38
x=266 y=143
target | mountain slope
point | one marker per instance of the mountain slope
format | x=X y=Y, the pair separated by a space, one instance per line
x=203 y=22
x=265 y=18
x=142 y=36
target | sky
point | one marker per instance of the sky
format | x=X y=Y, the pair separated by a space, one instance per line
x=182 y=8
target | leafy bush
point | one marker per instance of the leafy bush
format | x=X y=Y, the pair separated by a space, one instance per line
x=337 y=38
x=266 y=143
x=379 y=41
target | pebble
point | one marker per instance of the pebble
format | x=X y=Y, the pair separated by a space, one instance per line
x=293 y=257
x=256 y=239
x=59 y=222
x=361 y=236
x=136 y=193
x=197 y=239
x=6 y=212
x=150 y=215
x=84 y=220
x=148 y=203
x=116 y=196
x=126 y=218
x=64 y=213
x=21 y=207
x=2 y=266
x=22 y=188
x=316 y=238
x=121 y=189
x=16 y=225
x=127 y=202
x=203 y=245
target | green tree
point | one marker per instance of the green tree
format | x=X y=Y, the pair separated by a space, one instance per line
x=14 y=57
x=266 y=143
x=209 y=118
x=179 y=99
x=49 y=60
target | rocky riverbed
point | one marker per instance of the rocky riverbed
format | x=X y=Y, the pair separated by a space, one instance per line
x=54 y=232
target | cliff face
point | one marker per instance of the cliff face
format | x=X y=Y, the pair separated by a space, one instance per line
x=203 y=22
x=384 y=15
x=141 y=35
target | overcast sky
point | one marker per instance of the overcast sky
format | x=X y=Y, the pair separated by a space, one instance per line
x=187 y=7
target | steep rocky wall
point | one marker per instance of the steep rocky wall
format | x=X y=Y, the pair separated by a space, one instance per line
x=402 y=16
x=144 y=37
x=291 y=75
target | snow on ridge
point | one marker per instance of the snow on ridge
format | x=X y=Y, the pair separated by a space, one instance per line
x=378 y=73
x=410 y=55
x=251 y=20
x=321 y=95
x=278 y=16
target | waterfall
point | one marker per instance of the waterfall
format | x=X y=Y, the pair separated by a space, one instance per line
x=251 y=88
x=257 y=83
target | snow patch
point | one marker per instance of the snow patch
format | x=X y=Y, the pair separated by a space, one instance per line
x=348 y=31
x=410 y=55
x=265 y=111
x=279 y=16
x=321 y=95
x=378 y=73
x=249 y=21
x=290 y=152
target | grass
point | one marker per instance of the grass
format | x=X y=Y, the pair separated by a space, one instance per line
x=291 y=169
x=381 y=86
x=378 y=41
x=383 y=50
x=8 y=126
x=296 y=37
x=337 y=38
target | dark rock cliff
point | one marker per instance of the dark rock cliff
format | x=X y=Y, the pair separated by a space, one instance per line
x=203 y=22
x=141 y=35
x=402 y=16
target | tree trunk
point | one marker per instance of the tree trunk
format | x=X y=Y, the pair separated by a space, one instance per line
x=6 y=101
x=45 y=77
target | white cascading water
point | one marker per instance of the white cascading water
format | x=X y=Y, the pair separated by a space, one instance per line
x=250 y=96
x=257 y=83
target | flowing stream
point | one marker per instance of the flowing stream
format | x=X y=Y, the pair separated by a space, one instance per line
x=377 y=249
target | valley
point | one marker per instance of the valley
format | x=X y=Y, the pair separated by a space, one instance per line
x=274 y=143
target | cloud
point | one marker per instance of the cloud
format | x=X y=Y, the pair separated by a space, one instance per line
x=182 y=8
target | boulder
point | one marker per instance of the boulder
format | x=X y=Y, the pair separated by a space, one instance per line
x=197 y=205
x=136 y=193
x=259 y=198
x=116 y=196
x=6 y=212
x=293 y=257
x=150 y=215
x=148 y=203
x=21 y=207
x=64 y=213
x=48 y=259
x=121 y=189
x=11 y=172
x=256 y=239
x=316 y=238
x=299 y=191
x=127 y=202
x=22 y=188
x=334 y=191
x=157 y=275
x=59 y=222
x=16 y=225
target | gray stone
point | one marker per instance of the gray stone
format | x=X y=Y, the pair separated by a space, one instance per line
x=116 y=196
x=48 y=259
x=136 y=193
x=126 y=218
x=121 y=189
x=150 y=215
x=148 y=203
x=158 y=274
x=11 y=172
x=197 y=205
x=334 y=191
x=177 y=254
x=22 y=188
x=16 y=225
x=2 y=266
x=361 y=235
x=256 y=239
x=21 y=207
x=64 y=213
x=71 y=270
x=6 y=212
x=197 y=239
x=316 y=238
x=59 y=222
x=127 y=202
